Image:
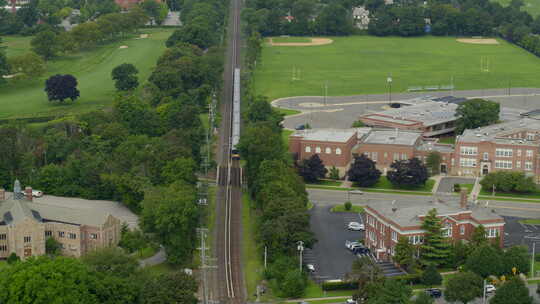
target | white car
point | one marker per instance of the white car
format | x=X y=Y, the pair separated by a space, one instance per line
x=310 y=267
x=356 y=192
x=35 y=193
x=349 y=244
x=490 y=288
x=351 y=301
x=355 y=226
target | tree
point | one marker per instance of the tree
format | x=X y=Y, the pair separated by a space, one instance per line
x=52 y=246
x=13 y=258
x=176 y=287
x=423 y=298
x=30 y=65
x=408 y=173
x=180 y=169
x=436 y=249
x=111 y=261
x=404 y=252
x=476 y=113
x=393 y=292
x=463 y=287
x=4 y=66
x=200 y=34
x=516 y=257
x=485 y=260
x=513 y=291
x=153 y=9
x=86 y=35
x=509 y=181
x=136 y=115
x=125 y=77
x=46 y=44
x=431 y=276
x=433 y=162
x=312 y=169
x=478 y=237
x=363 y=172
x=60 y=87
x=333 y=20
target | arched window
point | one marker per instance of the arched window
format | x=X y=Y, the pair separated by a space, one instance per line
x=328 y=150
x=338 y=151
x=308 y=149
x=317 y=149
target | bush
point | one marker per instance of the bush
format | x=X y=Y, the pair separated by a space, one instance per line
x=508 y=182
x=537 y=257
x=347 y=206
x=411 y=278
x=346 y=285
x=457 y=187
x=13 y=258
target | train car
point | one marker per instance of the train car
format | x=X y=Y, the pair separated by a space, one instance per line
x=235 y=135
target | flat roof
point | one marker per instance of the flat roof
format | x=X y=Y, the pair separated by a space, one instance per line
x=434 y=146
x=329 y=135
x=501 y=133
x=392 y=137
x=427 y=112
x=406 y=216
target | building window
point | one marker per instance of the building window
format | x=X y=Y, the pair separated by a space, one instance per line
x=27 y=239
x=3 y=236
x=518 y=152
x=48 y=233
x=518 y=164
x=486 y=156
x=3 y=247
x=317 y=149
x=528 y=166
x=61 y=234
x=338 y=151
x=492 y=232
x=447 y=230
x=530 y=136
x=385 y=155
x=416 y=239
x=394 y=236
x=308 y=149
x=382 y=228
x=467 y=162
x=328 y=150
x=393 y=250
x=469 y=150
x=72 y=236
x=529 y=153
x=396 y=156
x=503 y=164
x=404 y=156
x=462 y=229
x=503 y=152
x=367 y=154
x=374 y=156
x=93 y=236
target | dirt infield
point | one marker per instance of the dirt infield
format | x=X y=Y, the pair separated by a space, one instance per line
x=478 y=41
x=314 y=41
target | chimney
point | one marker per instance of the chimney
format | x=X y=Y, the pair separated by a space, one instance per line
x=2 y=194
x=463 y=199
x=28 y=193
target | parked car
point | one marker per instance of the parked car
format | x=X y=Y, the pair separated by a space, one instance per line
x=490 y=288
x=35 y=193
x=350 y=244
x=434 y=292
x=310 y=267
x=350 y=301
x=355 y=226
x=300 y=127
x=356 y=192
x=360 y=250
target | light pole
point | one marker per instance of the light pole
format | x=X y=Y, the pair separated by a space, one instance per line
x=389 y=82
x=484 y=293
x=493 y=190
x=532 y=260
x=301 y=250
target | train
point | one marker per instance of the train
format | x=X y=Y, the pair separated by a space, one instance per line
x=235 y=136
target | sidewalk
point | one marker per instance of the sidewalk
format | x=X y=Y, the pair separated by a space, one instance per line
x=157 y=258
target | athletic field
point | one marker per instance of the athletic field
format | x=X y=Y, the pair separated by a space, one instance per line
x=92 y=70
x=361 y=64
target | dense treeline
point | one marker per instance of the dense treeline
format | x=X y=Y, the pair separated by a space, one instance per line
x=107 y=276
x=144 y=151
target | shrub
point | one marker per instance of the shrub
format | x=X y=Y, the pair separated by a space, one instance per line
x=13 y=258
x=411 y=278
x=344 y=285
x=347 y=206
x=457 y=187
x=508 y=182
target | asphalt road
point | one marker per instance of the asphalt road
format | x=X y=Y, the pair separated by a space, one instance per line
x=329 y=255
x=342 y=111
x=447 y=183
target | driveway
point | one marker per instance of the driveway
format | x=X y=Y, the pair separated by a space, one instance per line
x=446 y=185
x=329 y=255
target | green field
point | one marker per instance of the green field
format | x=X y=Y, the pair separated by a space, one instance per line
x=16 y=45
x=531 y=6
x=290 y=39
x=92 y=70
x=360 y=64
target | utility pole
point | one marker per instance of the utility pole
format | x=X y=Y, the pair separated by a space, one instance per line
x=325 y=91
x=389 y=81
x=484 y=293
x=301 y=250
x=532 y=260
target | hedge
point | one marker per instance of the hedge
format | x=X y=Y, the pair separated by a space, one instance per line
x=414 y=278
x=346 y=285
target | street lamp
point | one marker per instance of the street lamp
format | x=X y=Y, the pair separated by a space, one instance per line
x=389 y=82
x=300 y=248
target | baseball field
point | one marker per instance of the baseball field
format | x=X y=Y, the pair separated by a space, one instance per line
x=362 y=64
x=92 y=69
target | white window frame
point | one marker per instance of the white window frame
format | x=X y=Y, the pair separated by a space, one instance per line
x=374 y=156
x=328 y=150
x=338 y=151
x=486 y=156
x=492 y=232
x=404 y=156
x=503 y=164
x=529 y=153
x=467 y=150
x=467 y=162
x=504 y=152
x=394 y=236
x=317 y=149
x=528 y=166
x=447 y=230
x=518 y=164
x=396 y=156
x=308 y=149
x=462 y=229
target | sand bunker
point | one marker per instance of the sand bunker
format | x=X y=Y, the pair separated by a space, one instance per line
x=314 y=41
x=123 y=47
x=143 y=36
x=478 y=40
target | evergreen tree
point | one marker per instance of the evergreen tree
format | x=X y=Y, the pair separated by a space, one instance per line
x=436 y=248
x=463 y=287
x=478 y=237
x=404 y=252
x=312 y=169
x=485 y=260
x=433 y=162
x=363 y=172
x=512 y=292
x=431 y=276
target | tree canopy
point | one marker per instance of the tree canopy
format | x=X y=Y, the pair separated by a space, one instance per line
x=61 y=87
x=476 y=113
x=463 y=287
x=436 y=248
x=363 y=172
x=514 y=291
x=408 y=173
x=125 y=77
x=312 y=169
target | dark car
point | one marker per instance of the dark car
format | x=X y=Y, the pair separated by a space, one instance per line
x=359 y=249
x=300 y=127
x=434 y=292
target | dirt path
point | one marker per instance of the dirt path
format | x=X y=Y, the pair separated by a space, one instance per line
x=314 y=41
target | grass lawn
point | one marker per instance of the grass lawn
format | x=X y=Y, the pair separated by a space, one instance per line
x=328 y=182
x=91 y=68
x=531 y=6
x=531 y=222
x=161 y=268
x=469 y=187
x=16 y=45
x=341 y=208
x=286 y=112
x=384 y=183
x=147 y=252
x=531 y=195
x=290 y=39
x=447 y=140
x=361 y=64
x=285 y=133
x=315 y=291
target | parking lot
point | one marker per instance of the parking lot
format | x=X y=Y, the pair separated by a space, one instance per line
x=329 y=255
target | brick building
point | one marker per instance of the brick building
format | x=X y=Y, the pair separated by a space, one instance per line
x=25 y=226
x=386 y=223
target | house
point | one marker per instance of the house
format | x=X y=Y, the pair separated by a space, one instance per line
x=26 y=224
x=387 y=222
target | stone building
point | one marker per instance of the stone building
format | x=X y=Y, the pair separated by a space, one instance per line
x=386 y=223
x=26 y=224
